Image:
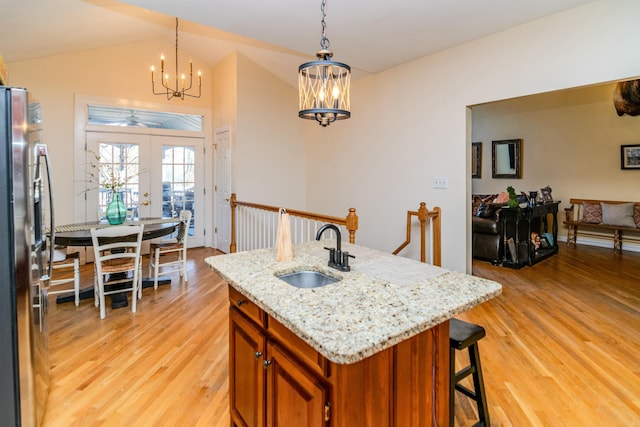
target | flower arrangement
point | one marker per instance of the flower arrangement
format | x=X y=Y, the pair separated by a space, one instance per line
x=513 y=201
x=112 y=176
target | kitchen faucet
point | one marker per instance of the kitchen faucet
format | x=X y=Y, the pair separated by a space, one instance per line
x=337 y=259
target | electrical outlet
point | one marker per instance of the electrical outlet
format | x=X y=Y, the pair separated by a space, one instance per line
x=440 y=182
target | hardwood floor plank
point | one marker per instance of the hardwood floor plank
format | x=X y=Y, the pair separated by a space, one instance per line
x=562 y=341
x=562 y=349
x=164 y=365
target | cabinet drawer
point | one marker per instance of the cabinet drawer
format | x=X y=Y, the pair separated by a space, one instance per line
x=242 y=303
x=296 y=346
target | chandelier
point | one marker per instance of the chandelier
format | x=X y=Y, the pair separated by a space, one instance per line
x=323 y=85
x=180 y=90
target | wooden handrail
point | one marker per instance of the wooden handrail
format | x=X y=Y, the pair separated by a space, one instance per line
x=350 y=222
x=423 y=215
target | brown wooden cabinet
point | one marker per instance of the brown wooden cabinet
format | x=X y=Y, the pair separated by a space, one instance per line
x=247 y=382
x=278 y=380
x=267 y=385
x=295 y=397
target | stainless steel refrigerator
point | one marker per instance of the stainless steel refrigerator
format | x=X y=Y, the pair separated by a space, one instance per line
x=26 y=211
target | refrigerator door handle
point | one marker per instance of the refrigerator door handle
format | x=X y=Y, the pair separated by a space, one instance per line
x=43 y=153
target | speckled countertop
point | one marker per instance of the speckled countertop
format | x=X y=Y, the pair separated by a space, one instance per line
x=382 y=301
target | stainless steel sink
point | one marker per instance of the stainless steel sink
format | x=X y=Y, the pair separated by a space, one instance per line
x=307 y=279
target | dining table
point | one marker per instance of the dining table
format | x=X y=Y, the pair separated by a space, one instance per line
x=79 y=234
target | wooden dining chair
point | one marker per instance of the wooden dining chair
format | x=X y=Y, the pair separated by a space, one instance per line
x=174 y=249
x=68 y=265
x=117 y=262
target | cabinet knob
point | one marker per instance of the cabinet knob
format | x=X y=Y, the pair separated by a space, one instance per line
x=266 y=363
x=258 y=354
x=240 y=302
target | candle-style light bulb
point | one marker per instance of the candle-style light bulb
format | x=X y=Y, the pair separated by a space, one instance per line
x=152 y=77
x=162 y=63
x=182 y=81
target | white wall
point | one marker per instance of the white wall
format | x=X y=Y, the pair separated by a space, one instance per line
x=117 y=72
x=410 y=124
x=270 y=148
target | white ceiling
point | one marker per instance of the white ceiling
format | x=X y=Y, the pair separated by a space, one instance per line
x=370 y=35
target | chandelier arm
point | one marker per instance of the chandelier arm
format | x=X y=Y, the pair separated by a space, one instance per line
x=179 y=91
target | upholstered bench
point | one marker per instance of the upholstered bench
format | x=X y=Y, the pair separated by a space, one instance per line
x=602 y=216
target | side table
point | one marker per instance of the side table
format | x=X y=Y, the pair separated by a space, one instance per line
x=517 y=226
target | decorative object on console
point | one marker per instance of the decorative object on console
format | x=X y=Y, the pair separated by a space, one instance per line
x=506 y=159
x=630 y=156
x=513 y=201
x=172 y=92
x=546 y=194
x=323 y=85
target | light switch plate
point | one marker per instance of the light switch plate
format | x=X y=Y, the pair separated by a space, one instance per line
x=440 y=182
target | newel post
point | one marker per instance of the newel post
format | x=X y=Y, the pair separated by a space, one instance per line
x=232 y=203
x=352 y=224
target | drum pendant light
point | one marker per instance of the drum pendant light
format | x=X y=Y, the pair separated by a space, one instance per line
x=323 y=85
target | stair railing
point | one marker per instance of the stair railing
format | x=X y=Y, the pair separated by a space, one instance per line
x=254 y=226
x=433 y=218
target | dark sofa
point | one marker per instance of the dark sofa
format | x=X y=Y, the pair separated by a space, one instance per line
x=486 y=231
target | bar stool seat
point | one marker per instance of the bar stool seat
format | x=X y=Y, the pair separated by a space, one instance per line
x=466 y=335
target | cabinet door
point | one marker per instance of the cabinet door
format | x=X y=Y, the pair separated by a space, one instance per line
x=246 y=386
x=295 y=397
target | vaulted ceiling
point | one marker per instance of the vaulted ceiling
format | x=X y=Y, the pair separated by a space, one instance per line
x=370 y=36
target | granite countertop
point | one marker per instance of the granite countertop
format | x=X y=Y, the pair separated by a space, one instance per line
x=382 y=301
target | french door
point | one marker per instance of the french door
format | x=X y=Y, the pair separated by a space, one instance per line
x=155 y=175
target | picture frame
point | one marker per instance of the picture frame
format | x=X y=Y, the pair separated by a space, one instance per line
x=630 y=156
x=546 y=194
x=476 y=160
x=506 y=159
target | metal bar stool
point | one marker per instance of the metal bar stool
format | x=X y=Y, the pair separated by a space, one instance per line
x=466 y=335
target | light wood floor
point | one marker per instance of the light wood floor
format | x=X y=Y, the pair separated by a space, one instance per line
x=562 y=349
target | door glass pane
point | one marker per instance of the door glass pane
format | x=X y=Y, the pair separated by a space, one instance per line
x=178 y=181
x=118 y=171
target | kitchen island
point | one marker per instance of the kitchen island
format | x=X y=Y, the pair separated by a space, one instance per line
x=370 y=349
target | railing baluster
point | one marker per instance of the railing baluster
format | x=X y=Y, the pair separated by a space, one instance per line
x=254 y=226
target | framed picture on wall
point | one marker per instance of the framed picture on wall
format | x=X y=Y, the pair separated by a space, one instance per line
x=476 y=160
x=630 y=156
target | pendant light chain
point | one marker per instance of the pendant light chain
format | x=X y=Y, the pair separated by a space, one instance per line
x=324 y=41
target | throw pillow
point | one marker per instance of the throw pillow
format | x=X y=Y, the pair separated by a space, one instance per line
x=636 y=216
x=618 y=214
x=591 y=213
x=503 y=197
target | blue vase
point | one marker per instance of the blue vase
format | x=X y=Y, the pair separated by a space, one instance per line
x=116 y=210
